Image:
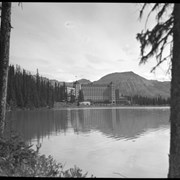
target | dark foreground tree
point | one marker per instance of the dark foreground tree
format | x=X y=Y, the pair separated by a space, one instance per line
x=174 y=157
x=165 y=32
x=4 y=59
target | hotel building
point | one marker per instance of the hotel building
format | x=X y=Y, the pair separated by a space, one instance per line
x=97 y=93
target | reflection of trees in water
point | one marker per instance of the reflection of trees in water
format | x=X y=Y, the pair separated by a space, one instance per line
x=131 y=123
x=37 y=124
x=118 y=123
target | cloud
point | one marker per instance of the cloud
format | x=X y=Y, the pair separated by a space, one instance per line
x=120 y=60
x=95 y=60
x=131 y=50
x=69 y=24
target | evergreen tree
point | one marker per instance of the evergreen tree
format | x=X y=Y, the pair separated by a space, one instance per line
x=81 y=96
x=64 y=93
x=166 y=31
x=38 y=88
x=72 y=97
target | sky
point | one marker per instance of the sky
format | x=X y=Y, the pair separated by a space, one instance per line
x=71 y=41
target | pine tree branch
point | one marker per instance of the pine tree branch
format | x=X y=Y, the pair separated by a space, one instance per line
x=161 y=61
x=154 y=7
x=156 y=38
x=142 y=10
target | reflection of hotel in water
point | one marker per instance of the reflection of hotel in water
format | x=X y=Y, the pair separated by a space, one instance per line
x=117 y=123
x=96 y=119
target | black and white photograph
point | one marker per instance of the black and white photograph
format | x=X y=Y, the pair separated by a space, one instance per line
x=90 y=89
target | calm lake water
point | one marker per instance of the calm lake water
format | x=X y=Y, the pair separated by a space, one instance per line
x=106 y=142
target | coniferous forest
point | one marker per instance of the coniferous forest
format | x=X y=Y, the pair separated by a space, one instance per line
x=140 y=100
x=28 y=91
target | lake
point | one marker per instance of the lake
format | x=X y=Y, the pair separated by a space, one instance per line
x=106 y=142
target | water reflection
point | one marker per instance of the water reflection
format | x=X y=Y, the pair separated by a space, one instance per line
x=114 y=123
x=124 y=123
x=37 y=124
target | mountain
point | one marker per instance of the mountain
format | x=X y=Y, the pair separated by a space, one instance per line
x=84 y=81
x=130 y=83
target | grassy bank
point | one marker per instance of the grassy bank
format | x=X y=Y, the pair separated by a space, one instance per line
x=18 y=159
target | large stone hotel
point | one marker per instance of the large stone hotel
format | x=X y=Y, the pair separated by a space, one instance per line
x=97 y=93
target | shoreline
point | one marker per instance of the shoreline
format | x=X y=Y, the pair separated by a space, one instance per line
x=73 y=106
x=112 y=107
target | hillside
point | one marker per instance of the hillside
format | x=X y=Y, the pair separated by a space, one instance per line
x=84 y=81
x=130 y=83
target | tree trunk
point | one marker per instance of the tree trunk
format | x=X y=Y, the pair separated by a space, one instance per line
x=174 y=157
x=4 y=59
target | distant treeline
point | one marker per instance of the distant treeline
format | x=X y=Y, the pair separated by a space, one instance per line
x=28 y=91
x=140 y=100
